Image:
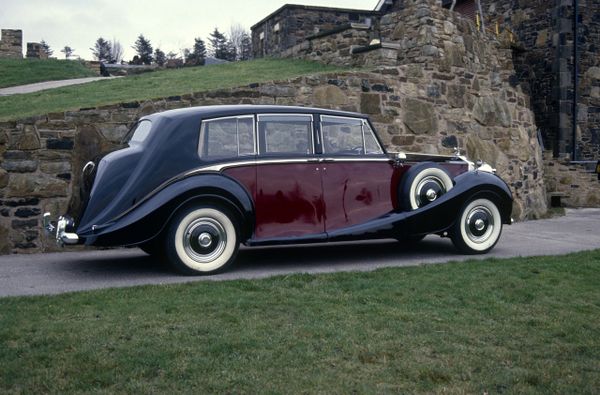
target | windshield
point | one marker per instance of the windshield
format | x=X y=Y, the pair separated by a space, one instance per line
x=139 y=132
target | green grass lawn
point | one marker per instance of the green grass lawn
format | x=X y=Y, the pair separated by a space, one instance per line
x=27 y=71
x=527 y=325
x=155 y=85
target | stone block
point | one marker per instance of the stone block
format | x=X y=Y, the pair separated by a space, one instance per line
x=419 y=116
x=20 y=166
x=329 y=95
x=370 y=103
x=4 y=177
x=39 y=186
x=60 y=144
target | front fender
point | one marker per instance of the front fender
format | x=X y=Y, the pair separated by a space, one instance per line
x=150 y=217
x=437 y=216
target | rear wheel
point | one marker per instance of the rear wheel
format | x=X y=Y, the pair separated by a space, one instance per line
x=202 y=240
x=478 y=227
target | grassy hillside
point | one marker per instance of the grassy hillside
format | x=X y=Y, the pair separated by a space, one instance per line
x=154 y=85
x=28 y=71
x=529 y=325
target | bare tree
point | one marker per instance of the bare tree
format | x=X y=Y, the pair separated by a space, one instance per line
x=116 y=51
x=236 y=36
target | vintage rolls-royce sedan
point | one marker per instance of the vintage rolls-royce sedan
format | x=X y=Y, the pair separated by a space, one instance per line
x=190 y=185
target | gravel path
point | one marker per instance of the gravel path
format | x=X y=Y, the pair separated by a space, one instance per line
x=40 y=86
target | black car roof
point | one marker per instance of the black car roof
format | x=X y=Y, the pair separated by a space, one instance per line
x=230 y=110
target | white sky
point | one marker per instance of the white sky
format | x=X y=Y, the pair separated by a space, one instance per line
x=170 y=25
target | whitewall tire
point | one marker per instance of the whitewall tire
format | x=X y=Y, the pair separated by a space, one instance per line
x=478 y=227
x=423 y=184
x=202 y=240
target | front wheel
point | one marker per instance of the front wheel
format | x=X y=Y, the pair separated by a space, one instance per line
x=478 y=227
x=202 y=240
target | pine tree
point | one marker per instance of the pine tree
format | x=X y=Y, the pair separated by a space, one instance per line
x=159 y=57
x=218 y=44
x=46 y=48
x=197 y=56
x=143 y=48
x=102 y=50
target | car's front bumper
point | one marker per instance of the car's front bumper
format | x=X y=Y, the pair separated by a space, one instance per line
x=60 y=230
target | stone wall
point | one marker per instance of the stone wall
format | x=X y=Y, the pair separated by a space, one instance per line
x=11 y=44
x=545 y=63
x=589 y=80
x=576 y=184
x=42 y=156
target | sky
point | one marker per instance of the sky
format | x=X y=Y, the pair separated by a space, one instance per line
x=170 y=25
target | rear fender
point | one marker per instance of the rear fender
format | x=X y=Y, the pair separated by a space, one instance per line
x=149 y=218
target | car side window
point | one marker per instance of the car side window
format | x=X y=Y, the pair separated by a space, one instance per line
x=227 y=137
x=286 y=134
x=348 y=136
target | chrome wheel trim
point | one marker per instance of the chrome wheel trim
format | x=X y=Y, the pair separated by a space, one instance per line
x=187 y=239
x=479 y=224
x=484 y=239
x=209 y=244
x=429 y=189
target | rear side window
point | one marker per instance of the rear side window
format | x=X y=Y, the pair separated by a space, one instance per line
x=286 y=134
x=348 y=136
x=227 y=137
x=141 y=131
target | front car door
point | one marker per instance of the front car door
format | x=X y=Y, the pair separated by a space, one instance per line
x=356 y=173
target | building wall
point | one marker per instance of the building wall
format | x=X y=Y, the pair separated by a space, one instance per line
x=11 y=44
x=545 y=65
x=292 y=24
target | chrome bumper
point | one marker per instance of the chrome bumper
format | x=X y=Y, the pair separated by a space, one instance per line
x=62 y=236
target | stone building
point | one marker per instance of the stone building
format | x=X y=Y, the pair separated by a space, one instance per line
x=11 y=44
x=565 y=101
x=36 y=51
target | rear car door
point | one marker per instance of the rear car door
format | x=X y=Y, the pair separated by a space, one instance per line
x=289 y=198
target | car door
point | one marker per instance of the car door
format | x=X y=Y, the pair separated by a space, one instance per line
x=289 y=199
x=356 y=173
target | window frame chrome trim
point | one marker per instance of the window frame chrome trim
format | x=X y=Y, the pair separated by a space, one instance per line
x=237 y=134
x=311 y=133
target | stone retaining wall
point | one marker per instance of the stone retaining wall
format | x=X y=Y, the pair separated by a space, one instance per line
x=413 y=108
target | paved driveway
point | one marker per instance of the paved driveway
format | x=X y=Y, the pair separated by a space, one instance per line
x=73 y=271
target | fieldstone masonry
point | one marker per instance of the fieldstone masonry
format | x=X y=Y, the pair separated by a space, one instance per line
x=42 y=157
x=11 y=44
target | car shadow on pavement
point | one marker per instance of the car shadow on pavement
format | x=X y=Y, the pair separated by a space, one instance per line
x=129 y=263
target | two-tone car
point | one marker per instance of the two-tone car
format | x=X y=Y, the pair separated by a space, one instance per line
x=191 y=185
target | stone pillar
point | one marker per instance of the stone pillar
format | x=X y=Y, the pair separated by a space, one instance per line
x=11 y=44
x=35 y=50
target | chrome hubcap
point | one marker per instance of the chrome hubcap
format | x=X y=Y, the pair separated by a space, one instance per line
x=479 y=224
x=428 y=190
x=431 y=195
x=204 y=240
